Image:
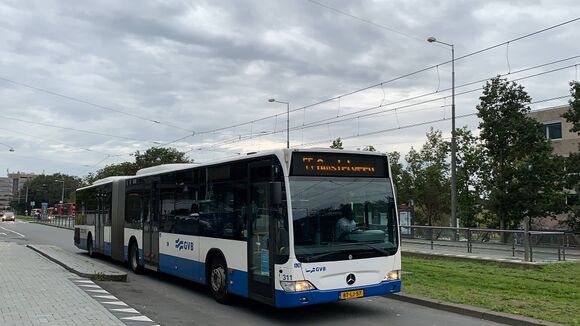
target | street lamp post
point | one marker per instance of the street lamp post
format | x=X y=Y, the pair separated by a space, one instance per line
x=287 y=120
x=62 y=193
x=453 y=135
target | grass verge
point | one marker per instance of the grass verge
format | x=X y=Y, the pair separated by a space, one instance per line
x=549 y=293
x=25 y=218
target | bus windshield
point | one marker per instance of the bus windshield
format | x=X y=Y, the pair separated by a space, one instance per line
x=338 y=218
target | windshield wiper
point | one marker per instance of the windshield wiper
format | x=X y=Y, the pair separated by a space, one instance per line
x=382 y=251
x=324 y=254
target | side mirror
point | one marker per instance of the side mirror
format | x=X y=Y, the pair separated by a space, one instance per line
x=276 y=193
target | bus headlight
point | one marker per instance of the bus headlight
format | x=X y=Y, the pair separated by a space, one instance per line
x=393 y=275
x=297 y=286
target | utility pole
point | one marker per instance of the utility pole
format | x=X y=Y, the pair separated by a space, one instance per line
x=287 y=119
x=453 y=139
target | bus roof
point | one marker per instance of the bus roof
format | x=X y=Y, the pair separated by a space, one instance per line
x=163 y=168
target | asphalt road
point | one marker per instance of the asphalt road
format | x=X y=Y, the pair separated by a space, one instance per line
x=171 y=301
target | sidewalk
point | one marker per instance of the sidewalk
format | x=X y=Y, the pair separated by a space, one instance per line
x=82 y=265
x=494 y=253
x=35 y=291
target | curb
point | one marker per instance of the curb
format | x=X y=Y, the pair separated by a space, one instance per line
x=56 y=226
x=481 y=313
x=92 y=276
x=503 y=262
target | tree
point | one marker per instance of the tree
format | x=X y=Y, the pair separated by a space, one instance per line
x=469 y=161
x=159 y=155
x=400 y=178
x=521 y=176
x=427 y=176
x=48 y=189
x=125 y=168
x=573 y=161
x=151 y=157
x=573 y=114
x=369 y=148
x=337 y=143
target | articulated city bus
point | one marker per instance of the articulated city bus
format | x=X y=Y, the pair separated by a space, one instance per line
x=286 y=227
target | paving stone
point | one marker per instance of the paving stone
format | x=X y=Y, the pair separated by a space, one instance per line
x=34 y=291
x=81 y=265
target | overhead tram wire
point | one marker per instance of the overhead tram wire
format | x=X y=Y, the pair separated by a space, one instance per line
x=417 y=124
x=43 y=138
x=99 y=106
x=392 y=30
x=324 y=121
x=424 y=123
x=315 y=123
x=77 y=130
x=392 y=79
x=329 y=121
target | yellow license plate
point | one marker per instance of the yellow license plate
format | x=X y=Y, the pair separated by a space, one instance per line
x=352 y=294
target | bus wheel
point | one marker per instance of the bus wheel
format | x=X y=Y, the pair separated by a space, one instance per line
x=218 y=281
x=134 y=259
x=90 y=248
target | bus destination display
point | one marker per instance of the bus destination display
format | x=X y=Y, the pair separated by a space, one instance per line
x=327 y=164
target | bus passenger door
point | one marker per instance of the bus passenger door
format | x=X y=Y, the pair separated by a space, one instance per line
x=100 y=220
x=260 y=237
x=151 y=231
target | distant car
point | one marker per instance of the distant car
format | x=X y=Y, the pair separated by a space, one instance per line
x=7 y=216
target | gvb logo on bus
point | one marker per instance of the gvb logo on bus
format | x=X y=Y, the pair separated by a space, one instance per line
x=183 y=245
x=316 y=269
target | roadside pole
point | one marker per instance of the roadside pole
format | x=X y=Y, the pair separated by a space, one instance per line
x=527 y=238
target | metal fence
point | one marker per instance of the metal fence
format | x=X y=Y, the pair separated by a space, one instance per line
x=518 y=244
x=58 y=220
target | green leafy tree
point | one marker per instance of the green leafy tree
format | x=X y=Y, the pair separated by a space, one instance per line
x=151 y=157
x=469 y=161
x=573 y=161
x=337 y=143
x=48 y=189
x=159 y=155
x=573 y=114
x=369 y=148
x=401 y=178
x=520 y=176
x=125 y=168
x=427 y=176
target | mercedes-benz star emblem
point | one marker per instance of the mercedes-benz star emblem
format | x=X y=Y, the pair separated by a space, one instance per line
x=350 y=279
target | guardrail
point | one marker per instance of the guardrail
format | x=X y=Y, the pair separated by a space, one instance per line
x=58 y=220
x=541 y=243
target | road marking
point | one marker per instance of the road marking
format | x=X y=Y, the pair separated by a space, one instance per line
x=118 y=308
x=109 y=297
x=20 y=234
x=116 y=303
x=84 y=281
x=3 y=233
x=127 y=310
x=137 y=318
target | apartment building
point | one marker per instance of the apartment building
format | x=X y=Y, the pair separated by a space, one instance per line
x=564 y=142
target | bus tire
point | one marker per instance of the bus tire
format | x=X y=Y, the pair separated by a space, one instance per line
x=218 y=280
x=134 y=259
x=90 y=247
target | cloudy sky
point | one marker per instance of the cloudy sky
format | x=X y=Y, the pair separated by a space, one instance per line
x=84 y=84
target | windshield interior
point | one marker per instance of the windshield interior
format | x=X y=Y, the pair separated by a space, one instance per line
x=343 y=218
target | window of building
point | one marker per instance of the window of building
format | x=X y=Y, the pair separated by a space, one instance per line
x=553 y=130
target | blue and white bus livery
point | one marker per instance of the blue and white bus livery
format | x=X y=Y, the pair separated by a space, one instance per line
x=287 y=227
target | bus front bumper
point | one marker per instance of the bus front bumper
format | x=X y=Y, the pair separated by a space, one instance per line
x=296 y=299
